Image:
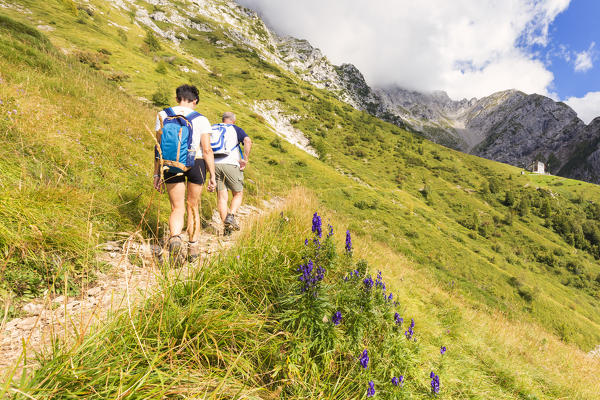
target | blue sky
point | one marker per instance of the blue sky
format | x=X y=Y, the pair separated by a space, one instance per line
x=468 y=48
x=575 y=31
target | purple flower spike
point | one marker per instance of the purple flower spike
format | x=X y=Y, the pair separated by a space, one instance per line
x=316 y=225
x=442 y=350
x=410 y=332
x=348 y=242
x=398 y=319
x=337 y=318
x=371 y=389
x=364 y=359
x=435 y=383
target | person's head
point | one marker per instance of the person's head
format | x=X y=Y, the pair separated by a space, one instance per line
x=187 y=94
x=228 y=117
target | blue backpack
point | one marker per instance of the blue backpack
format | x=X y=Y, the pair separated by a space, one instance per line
x=176 y=142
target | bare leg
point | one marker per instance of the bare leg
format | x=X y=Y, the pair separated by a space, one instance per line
x=193 y=201
x=222 y=197
x=236 y=202
x=176 y=193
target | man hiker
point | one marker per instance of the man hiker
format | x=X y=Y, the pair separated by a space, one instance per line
x=230 y=163
x=183 y=136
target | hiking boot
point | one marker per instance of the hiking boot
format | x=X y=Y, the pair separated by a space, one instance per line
x=193 y=252
x=175 y=245
x=231 y=223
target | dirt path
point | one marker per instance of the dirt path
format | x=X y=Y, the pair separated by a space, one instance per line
x=124 y=284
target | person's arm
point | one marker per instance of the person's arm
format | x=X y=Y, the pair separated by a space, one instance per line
x=209 y=159
x=243 y=139
x=247 y=146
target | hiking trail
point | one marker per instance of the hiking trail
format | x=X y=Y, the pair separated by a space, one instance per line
x=124 y=284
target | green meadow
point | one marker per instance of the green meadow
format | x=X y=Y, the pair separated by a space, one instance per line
x=499 y=266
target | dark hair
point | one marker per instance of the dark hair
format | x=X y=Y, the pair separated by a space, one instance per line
x=187 y=93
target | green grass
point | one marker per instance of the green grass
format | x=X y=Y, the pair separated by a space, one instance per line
x=230 y=331
x=83 y=175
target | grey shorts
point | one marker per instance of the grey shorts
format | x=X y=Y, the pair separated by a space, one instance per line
x=229 y=177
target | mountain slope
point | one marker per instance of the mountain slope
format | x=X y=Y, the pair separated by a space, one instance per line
x=507 y=126
x=495 y=244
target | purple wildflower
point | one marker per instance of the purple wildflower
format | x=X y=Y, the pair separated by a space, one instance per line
x=310 y=277
x=391 y=297
x=368 y=282
x=316 y=225
x=398 y=319
x=371 y=389
x=306 y=242
x=348 y=242
x=317 y=243
x=364 y=359
x=409 y=333
x=435 y=383
x=395 y=381
x=442 y=350
x=401 y=380
x=378 y=281
x=330 y=230
x=337 y=318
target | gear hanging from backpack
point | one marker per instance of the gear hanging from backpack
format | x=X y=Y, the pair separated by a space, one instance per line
x=176 y=134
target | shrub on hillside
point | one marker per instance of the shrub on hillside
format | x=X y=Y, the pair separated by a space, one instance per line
x=523 y=206
x=509 y=199
x=151 y=42
x=161 y=68
x=93 y=59
x=162 y=97
x=278 y=144
x=495 y=185
x=118 y=76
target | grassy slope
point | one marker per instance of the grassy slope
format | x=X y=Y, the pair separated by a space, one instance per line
x=463 y=263
x=221 y=333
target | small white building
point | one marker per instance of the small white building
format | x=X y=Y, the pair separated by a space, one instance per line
x=537 y=167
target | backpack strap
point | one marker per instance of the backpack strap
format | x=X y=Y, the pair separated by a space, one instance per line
x=169 y=111
x=240 y=150
x=193 y=115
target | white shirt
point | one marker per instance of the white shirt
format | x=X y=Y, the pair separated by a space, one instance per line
x=200 y=126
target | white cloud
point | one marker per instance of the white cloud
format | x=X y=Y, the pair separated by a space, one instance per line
x=587 y=107
x=584 y=60
x=469 y=48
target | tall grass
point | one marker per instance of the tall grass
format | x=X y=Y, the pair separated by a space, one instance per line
x=239 y=326
x=421 y=205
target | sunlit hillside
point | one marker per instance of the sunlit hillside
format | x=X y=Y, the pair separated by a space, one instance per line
x=498 y=265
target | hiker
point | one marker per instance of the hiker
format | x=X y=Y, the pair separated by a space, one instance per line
x=184 y=139
x=230 y=163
